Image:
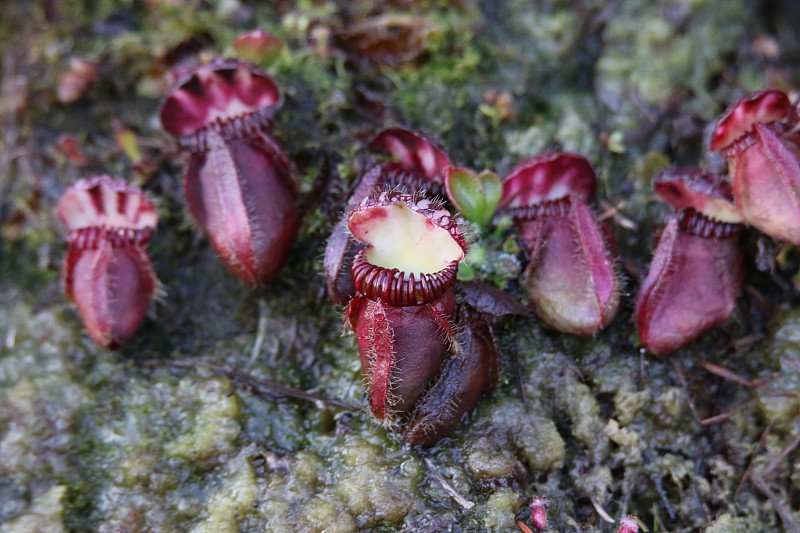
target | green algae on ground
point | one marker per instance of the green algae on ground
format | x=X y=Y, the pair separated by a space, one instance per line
x=93 y=440
x=44 y=514
x=673 y=46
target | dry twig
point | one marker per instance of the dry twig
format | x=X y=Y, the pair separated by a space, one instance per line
x=760 y=477
x=434 y=473
x=614 y=211
x=602 y=512
x=750 y=465
x=685 y=385
x=736 y=378
x=263 y=387
x=780 y=457
x=727 y=414
x=522 y=527
x=786 y=518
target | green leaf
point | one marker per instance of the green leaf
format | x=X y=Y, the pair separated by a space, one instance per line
x=465 y=272
x=475 y=195
x=492 y=191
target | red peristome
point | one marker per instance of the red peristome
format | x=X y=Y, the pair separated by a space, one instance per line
x=694 y=188
x=107 y=272
x=414 y=153
x=570 y=281
x=700 y=225
x=392 y=286
x=103 y=201
x=739 y=120
x=219 y=92
x=548 y=176
x=242 y=192
x=691 y=287
x=433 y=210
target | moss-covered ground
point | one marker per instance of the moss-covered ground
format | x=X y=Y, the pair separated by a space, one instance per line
x=155 y=438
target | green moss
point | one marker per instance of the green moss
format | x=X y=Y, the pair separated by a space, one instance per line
x=539 y=442
x=777 y=399
x=215 y=426
x=370 y=491
x=323 y=513
x=723 y=524
x=651 y=53
x=94 y=440
x=498 y=511
x=233 y=499
x=44 y=514
x=487 y=461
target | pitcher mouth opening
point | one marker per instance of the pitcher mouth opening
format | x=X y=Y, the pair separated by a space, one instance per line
x=217 y=93
x=413 y=248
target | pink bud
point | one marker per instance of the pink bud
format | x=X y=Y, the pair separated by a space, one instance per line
x=107 y=272
x=696 y=272
x=570 y=280
x=257 y=45
x=759 y=138
x=76 y=80
x=628 y=524
x=238 y=182
x=71 y=147
x=538 y=509
x=402 y=311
